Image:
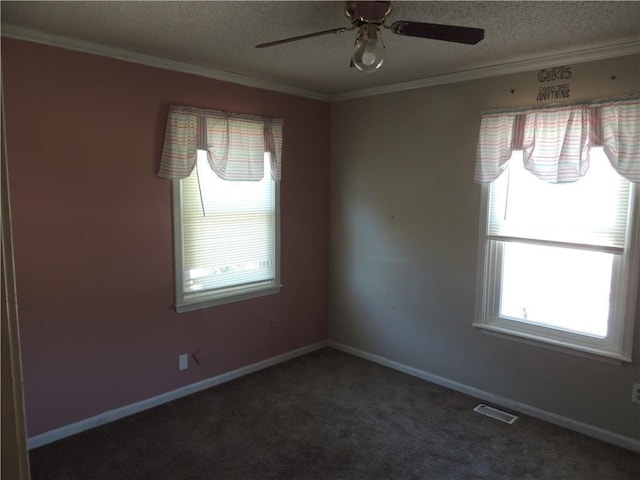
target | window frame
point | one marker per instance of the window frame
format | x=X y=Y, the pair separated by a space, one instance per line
x=195 y=301
x=616 y=346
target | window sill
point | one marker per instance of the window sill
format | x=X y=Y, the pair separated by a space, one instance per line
x=552 y=344
x=208 y=300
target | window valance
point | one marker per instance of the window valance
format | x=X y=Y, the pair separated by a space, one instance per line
x=235 y=144
x=556 y=141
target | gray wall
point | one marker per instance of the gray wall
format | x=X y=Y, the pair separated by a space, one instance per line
x=404 y=237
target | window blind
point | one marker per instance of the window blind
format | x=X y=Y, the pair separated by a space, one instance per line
x=229 y=230
x=582 y=213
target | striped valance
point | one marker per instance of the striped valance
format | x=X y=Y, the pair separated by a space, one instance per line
x=235 y=144
x=556 y=141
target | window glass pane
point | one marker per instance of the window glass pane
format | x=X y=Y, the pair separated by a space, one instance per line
x=558 y=287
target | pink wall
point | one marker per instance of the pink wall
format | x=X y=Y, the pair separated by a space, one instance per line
x=93 y=233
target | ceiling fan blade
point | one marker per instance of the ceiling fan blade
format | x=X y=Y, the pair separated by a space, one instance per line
x=302 y=37
x=448 y=33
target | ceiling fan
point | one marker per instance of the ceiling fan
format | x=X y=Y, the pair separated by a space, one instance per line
x=369 y=18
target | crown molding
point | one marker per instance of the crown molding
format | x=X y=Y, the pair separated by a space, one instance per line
x=27 y=34
x=579 y=56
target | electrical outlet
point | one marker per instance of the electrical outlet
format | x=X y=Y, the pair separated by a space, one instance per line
x=635 y=396
x=183 y=361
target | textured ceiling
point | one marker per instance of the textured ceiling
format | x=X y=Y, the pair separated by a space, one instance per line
x=222 y=35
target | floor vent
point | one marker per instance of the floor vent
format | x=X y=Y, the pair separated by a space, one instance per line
x=495 y=413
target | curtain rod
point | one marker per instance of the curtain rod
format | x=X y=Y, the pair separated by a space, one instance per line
x=598 y=101
x=222 y=114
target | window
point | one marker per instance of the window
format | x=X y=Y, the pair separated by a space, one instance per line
x=559 y=261
x=226 y=237
x=226 y=172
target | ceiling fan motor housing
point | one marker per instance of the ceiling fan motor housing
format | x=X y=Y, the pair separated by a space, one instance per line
x=367 y=12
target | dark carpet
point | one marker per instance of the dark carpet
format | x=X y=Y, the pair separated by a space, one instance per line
x=328 y=415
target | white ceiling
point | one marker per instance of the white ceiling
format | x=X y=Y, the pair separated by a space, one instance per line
x=221 y=36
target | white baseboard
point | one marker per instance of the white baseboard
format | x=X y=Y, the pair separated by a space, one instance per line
x=118 y=413
x=584 y=428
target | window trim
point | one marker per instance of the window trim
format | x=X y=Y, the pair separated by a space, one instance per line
x=624 y=285
x=229 y=294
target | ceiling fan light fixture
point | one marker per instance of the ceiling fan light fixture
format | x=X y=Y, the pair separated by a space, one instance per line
x=369 y=52
x=369 y=17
